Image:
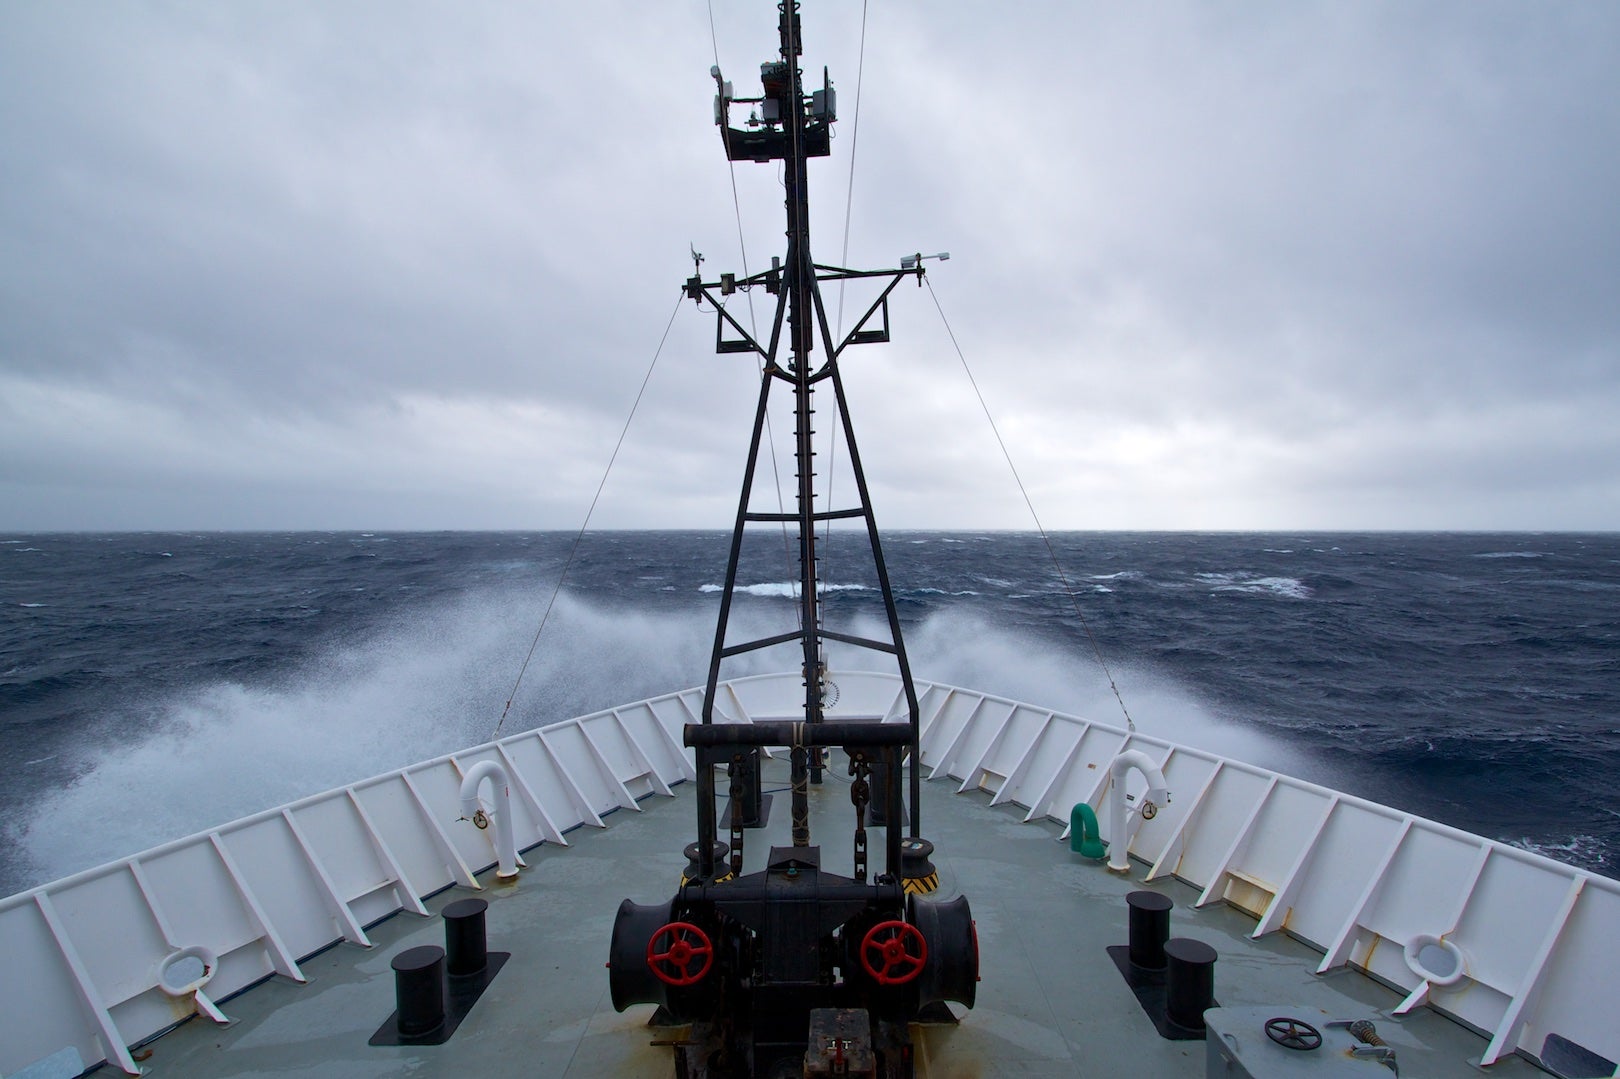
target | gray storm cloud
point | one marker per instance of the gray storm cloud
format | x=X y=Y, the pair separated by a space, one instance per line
x=403 y=266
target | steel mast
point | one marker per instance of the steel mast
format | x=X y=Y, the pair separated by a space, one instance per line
x=756 y=968
x=790 y=126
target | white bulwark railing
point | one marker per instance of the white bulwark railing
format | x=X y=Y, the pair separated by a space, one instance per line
x=1518 y=946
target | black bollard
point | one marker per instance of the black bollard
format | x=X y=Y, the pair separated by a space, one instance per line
x=464 y=942
x=1189 y=982
x=752 y=791
x=419 y=990
x=1149 y=928
x=877 y=813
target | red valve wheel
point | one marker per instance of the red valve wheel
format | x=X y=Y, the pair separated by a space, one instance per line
x=893 y=952
x=679 y=954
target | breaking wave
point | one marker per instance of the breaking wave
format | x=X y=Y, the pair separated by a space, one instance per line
x=784 y=589
x=148 y=702
x=435 y=681
x=1287 y=587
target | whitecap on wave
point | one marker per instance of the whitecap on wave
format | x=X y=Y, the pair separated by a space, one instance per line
x=1288 y=587
x=1583 y=850
x=785 y=589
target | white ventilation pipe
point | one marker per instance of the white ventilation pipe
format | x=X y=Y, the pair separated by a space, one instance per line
x=471 y=809
x=1120 y=826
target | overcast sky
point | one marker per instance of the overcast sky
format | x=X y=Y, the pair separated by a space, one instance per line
x=404 y=265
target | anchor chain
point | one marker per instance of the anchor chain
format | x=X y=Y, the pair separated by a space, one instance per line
x=801 y=797
x=735 y=771
x=860 y=793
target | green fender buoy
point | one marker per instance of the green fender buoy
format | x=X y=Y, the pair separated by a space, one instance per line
x=1085 y=837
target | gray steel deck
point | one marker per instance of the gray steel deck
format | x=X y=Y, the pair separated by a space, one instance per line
x=1051 y=1002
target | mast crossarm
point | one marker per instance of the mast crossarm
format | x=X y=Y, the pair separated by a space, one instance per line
x=840 y=273
x=845 y=732
x=859 y=642
x=823 y=515
x=763 y=642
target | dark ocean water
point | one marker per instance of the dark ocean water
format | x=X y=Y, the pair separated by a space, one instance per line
x=152 y=684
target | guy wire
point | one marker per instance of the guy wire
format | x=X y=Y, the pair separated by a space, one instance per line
x=574 y=549
x=1068 y=589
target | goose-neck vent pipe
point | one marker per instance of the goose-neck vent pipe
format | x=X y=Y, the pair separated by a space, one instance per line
x=1122 y=826
x=505 y=844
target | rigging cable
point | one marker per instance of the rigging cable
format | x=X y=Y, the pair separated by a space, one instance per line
x=736 y=203
x=574 y=550
x=753 y=324
x=843 y=260
x=854 y=142
x=1068 y=589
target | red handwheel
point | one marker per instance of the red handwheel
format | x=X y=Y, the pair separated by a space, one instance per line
x=893 y=952
x=679 y=954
